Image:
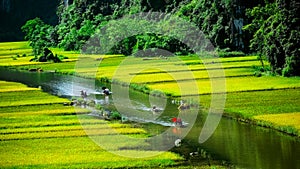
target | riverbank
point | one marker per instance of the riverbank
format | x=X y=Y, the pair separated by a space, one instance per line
x=39 y=130
x=249 y=98
x=277 y=109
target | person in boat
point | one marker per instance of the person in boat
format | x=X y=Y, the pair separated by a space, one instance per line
x=83 y=94
x=177 y=121
x=106 y=91
x=183 y=106
x=155 y=109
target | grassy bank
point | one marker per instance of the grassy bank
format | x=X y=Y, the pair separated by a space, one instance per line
x=277 y=109
x=38 y=131
x=249 y=98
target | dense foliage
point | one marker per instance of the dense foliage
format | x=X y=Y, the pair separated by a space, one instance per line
x=38 y=33
x=272 y=26
x=277 y=35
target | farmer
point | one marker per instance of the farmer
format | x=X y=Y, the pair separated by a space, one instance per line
x=155 y=109
x=83 y=94
x=106 y=91
x=177 y=121
x=183 y=106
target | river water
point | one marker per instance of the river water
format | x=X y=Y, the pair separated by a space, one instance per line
x=244 y=145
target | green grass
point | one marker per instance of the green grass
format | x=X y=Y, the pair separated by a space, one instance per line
x=288 y=122
x=28 y=97
x=233 y=84
x=187 y=75
x=73 y=152
x=65 y=128
x=210 y=59
x=57 y=132
x=38 y=131
x=15 y=52
x=10 y=87
x=48 y=111
x=250 y=104
x=277 y=109
x=14 y=45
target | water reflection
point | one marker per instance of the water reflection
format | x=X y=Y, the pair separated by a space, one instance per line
x=253 y=147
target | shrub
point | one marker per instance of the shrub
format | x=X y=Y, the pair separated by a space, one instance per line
x=49 y=56
x=225 y=54
x=99 y=107
x=257 y=73
x=115 y=115
x=291 y=68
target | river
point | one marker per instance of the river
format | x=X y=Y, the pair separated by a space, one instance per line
x=243 y=145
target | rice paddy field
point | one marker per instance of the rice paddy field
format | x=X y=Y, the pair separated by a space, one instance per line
x=38 y=130
x=264 y=100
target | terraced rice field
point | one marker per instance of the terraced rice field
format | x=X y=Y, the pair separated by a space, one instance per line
x=188 y=76
x=38 y=131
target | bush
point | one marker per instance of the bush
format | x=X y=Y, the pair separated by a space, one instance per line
x=257 y=73
x=225 y=54
x=291 y=68
x=49 y=56
x=115 y=115
x=14 y=57
x=99 y=107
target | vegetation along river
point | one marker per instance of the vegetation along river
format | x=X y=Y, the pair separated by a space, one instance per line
x=244 y=145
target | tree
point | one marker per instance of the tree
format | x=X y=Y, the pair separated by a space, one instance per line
x=276 y=35
x=38 y=33
x=48 y=56
x=216 y=20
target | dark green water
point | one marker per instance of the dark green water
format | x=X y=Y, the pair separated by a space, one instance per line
x=244 y=145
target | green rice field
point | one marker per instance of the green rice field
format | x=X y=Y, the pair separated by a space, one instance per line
x=38 y=131
x=176 y=76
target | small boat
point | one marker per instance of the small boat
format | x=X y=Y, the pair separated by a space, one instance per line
x=156 y=109
x=99 y=93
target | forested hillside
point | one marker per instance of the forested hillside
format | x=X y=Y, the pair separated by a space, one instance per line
x=220 y=20
x=267 y=28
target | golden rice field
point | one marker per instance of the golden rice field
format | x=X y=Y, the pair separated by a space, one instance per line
x=289 y=122
x=48 y=134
